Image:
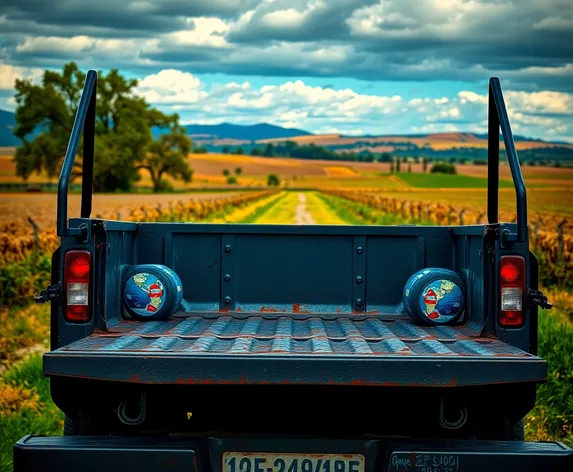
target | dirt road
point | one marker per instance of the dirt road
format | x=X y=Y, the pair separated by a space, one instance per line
x=302 y=216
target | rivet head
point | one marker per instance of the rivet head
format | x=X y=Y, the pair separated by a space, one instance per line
x=359 y=250
x=227 y=300
x=227 y=277
x=359 y=301
x=227 y=248
x=358 y=280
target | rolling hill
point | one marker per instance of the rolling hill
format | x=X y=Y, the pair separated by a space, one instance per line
x=435 y=146
x=245 y=132
x=7 y=124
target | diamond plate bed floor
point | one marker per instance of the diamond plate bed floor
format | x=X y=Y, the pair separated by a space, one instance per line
x=255 y=349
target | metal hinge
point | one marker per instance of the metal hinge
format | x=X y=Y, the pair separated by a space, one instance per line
x=50 y=294
x=537 y=298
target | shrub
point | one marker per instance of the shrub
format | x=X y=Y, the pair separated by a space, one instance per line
x=226 y=172
x=231 y=180
x=20 y=281
x=443 y=168
x=273 y=180
x=164 y=186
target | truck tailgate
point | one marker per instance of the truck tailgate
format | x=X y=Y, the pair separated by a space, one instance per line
x=243 y=349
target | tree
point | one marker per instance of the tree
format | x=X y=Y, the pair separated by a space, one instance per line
x=231 y=180
x=238 y=170
x=385 y=157
x=273 y=180
x=226 y=172
x=225 y=150
x=398 y=164
x=45 y=114
x=410 y=167
x=269 y=150
x=443 y=168
x=255 y=152
x=239 y=150
x=167 y=156
x=425 y=164
x=391 y=167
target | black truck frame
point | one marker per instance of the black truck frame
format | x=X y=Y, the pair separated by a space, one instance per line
x=292 y=352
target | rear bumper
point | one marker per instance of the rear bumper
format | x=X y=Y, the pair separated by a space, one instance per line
x=144 y=454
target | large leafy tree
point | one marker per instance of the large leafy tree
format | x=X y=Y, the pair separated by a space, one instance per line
x=167 y=156
x=45 y=114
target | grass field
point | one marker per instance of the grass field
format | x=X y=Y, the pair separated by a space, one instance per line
x=447 y=181
x=314 y=173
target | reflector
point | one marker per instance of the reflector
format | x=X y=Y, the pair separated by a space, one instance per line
x=512 y=290
x=77 y=285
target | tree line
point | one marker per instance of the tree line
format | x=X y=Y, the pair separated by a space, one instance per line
x=305 y=151
x=124 y=143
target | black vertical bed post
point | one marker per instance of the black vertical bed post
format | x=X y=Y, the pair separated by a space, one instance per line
x=88 y=160
x=83 y=122
x=492 y=158
x=498 y=118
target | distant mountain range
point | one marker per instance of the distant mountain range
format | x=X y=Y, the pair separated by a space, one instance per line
x=227 y=137
x=245 y=132
x=221 y=131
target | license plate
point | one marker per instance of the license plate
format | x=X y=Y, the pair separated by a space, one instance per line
x=283 y=462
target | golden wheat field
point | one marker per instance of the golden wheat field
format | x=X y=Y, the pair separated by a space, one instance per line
x=208 y=172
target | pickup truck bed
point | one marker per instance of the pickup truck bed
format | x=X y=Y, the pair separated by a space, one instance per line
x=299 y=349
x=290 y=345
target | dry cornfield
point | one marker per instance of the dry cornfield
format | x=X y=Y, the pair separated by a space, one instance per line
x=16 y=246
x=547 y=233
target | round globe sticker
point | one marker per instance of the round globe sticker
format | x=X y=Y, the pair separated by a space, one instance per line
x=441 y=300
x=144 y=294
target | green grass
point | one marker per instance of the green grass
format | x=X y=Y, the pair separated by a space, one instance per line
x=552 y=417
x=335 y=205
x=283 y=212
x=25 y=407
x=259 y=212
x=360 y=213
x=320 y=211
x=430 y=180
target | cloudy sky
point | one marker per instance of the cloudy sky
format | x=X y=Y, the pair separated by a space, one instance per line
x=348 y=66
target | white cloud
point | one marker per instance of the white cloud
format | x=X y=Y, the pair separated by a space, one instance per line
x=9 y=74
x=171 y=86
x=295 y=103
x=205 y=32
x=548 y=102
x=75 y=45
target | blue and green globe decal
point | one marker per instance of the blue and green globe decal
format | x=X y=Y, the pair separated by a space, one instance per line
x=441 y=300
x=144 y=294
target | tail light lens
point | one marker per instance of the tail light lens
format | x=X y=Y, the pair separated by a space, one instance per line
x=512 y=291
x=77 y=285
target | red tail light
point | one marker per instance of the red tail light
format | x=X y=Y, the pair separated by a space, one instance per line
x=77 y=285
x=512 y=291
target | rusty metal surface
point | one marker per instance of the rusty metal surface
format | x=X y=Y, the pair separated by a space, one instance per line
x=257 y=335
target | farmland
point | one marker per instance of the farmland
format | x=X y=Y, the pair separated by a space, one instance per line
x=311 y=192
